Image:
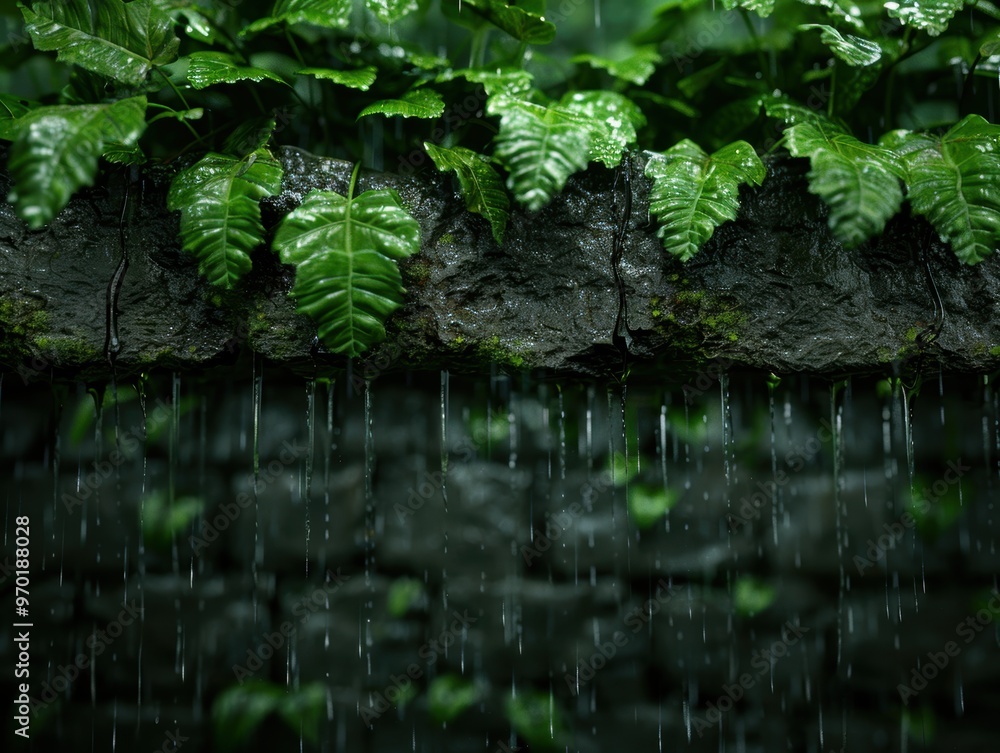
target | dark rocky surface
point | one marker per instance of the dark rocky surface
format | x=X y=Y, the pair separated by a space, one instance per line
x=771 y=290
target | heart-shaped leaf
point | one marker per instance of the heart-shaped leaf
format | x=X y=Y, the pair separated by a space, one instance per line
x=345 y=252
x=693 y=192
x=219 y=199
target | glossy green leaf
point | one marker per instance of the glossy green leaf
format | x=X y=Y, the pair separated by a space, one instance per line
x=519 y=22
x=762 y=8
x=513 y=82
x=540 y=147
x=931 y=16
x=122 y=154
x=122 y=41
x=249 y=136
x=952 y=181
x=56 y=149
x=835 y=10
x=360 y=78
x=859 y=182
x=990 y=45
x=416 y=103
x=851 y=49
x=208 y=68
x=693 y=192
x=391 y=11
x=219 y=199
x=790 y=112
x=345 y=252
x=12 y=108
x=636 y=68
x=613 y=119
x=482 y=187
x=328 y=14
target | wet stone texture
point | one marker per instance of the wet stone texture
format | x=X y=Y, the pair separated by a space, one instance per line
x=772 y=290
x=799 y=579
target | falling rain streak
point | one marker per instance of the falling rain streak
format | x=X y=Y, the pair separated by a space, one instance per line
x=432 y=561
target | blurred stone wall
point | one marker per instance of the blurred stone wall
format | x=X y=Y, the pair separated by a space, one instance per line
x=794 y=586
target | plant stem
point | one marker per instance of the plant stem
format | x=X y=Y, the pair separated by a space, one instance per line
x=183 y=100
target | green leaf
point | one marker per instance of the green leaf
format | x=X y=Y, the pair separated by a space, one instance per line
x=416 y=103
x=520 y=23
x=513 y=82
x=361 y=78
x=345 y=251
x=851 y=49
x=391 y=11
x=122 y=41
x=540 y=147
x=762 y=8
x=536 y=718
x=12 y=108
x=613 y=119
x=328 y=14
x=56 y=149
x=859 y=182
x=693 y=193
x=404 y=594
x=162 y=521
x=240 y=709
x=751 y=595
x=636 y=68
x=219 y=199
x=835 y=10
x=648 y=504
x=931 y=16
x=303 y=710
x=450 y=695
x=481 y=185
x=249 y=136
x=952 y=181
x=208 y=68
x=121 y=154
x=791 y=113
x=990 y=45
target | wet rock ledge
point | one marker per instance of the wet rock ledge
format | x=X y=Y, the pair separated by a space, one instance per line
x=772 y=290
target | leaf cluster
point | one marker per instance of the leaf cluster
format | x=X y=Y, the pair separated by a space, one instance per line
x=890 y=101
